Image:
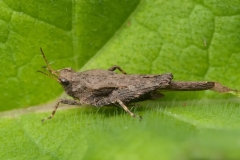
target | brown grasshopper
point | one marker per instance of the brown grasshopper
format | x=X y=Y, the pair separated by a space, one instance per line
x=99 y=87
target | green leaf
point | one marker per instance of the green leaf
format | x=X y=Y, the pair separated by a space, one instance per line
x=70 y=34
x=176 y=130
x=193 y=39
x=188 y=38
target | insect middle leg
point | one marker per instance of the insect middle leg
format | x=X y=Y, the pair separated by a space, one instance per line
x=126 y=109
x=113 y=68
x=64 y=101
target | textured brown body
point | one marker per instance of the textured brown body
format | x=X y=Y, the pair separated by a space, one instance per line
x=102 y=87
x=105 y=87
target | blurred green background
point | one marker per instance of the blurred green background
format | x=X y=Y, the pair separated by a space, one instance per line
x=193 y=39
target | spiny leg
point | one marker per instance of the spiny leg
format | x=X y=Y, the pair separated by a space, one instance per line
x=64 y=101
x=127 y=110
x=113 y=68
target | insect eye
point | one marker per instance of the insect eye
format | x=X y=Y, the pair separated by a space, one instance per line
x=64 y=81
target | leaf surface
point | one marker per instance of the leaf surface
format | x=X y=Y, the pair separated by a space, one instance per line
x=193 y=39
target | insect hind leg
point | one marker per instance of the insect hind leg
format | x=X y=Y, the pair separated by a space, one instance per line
x=113 y=68
x=156 y=95
x=127 y=110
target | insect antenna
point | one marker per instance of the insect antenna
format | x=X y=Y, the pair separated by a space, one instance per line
x=48 y=65
x=49 y=75
x=48 y=68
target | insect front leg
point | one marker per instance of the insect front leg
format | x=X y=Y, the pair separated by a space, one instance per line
x=126 y=109
x=64 y=101
x=113 y=68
